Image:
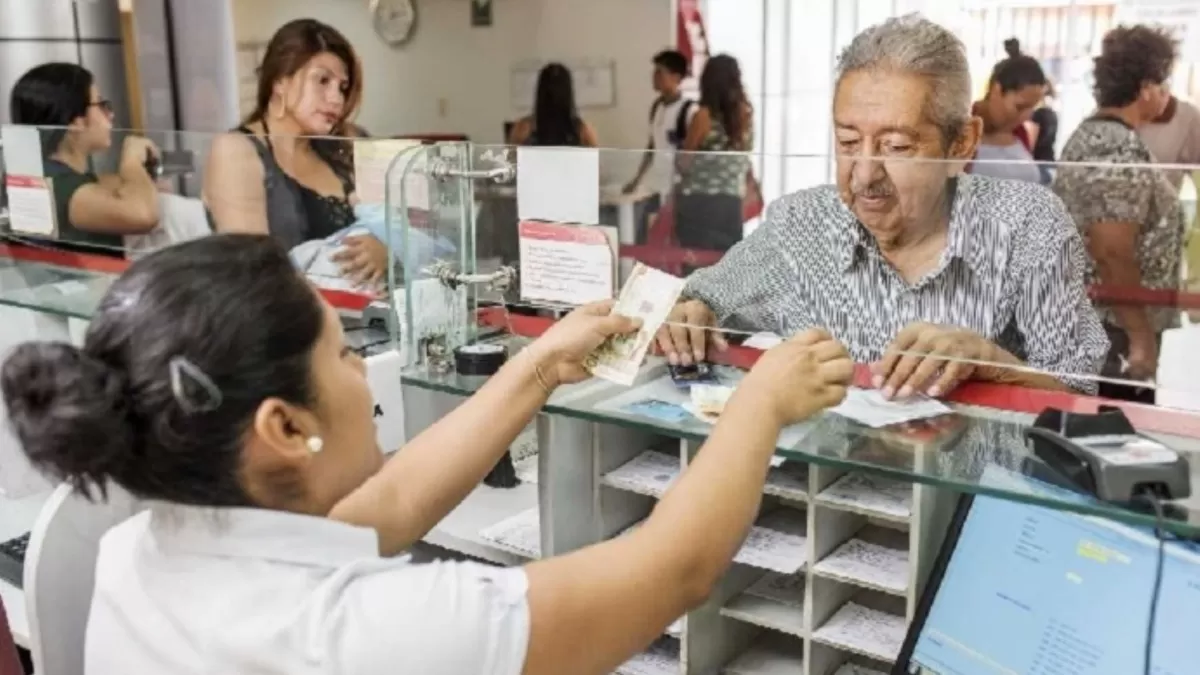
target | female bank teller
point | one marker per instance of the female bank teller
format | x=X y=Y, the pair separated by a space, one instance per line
x=216 y=383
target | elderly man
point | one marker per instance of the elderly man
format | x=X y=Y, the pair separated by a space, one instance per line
x=930 y=275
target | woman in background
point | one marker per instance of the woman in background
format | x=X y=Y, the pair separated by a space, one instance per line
x=555 y=120
x=93 y=210
x=1016 y=87
x=288 y=170
x=1128 y=211
x=712 y=184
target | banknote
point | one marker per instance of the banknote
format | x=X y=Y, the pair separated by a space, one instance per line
x=648 y=295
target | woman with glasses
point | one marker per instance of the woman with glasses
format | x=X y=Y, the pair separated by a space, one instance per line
x=93 y=211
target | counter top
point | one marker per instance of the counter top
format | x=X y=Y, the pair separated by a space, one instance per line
x=950 y=451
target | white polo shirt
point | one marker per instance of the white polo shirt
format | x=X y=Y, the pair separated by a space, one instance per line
x=182 y=590
x=663 y=127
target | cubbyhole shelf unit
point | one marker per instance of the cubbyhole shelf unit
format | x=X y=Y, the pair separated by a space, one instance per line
x=825 y=584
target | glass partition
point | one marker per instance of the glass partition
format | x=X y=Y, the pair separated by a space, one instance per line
x=475 y=242
x=967 y=293
x=72 y=221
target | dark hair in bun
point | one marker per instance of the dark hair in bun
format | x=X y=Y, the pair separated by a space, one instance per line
x=233 y=310
x=1018 y=70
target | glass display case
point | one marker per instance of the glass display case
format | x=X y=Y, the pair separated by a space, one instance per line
x=858 y=501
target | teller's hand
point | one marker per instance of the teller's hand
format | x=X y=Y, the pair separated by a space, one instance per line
x=562 y=349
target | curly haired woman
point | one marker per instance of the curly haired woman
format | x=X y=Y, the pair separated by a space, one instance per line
x=1127 y=211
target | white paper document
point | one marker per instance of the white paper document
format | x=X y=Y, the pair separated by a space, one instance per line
x=662 y=658
x=558 y=184
x=867 y=563
x=787 y=589
x=568 y=264
x=520 y=534
x=869 y=407
x=763 y=341
x=1178 y=362
x=31 y=205
x=650 y=473
x=866 y=631
x=648 y=295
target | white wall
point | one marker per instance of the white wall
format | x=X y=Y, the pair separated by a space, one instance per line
x=452 y=77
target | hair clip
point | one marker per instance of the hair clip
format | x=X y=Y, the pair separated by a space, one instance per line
x=194 y=391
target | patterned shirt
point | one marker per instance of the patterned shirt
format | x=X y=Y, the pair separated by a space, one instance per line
x=1012 y=271
x=716 y=168
x=1125 y=194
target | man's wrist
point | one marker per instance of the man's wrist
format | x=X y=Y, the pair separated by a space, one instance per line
x=996 y=362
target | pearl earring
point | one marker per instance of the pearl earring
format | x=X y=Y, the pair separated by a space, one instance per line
x=315 y=444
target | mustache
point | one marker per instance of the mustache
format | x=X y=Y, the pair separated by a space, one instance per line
x=873 y=191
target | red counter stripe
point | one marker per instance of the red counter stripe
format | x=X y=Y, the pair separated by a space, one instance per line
x=108 y=265
x=999 y=396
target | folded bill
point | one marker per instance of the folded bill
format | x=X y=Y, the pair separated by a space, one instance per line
x=648 y=295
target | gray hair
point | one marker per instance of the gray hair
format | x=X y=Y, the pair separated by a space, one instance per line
x=916 y=45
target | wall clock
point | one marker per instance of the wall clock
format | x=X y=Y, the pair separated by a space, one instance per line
x=394 y=20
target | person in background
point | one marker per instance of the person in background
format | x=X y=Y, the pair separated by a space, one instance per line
x=1128 y=212
x=215 y=384
x=1043 y=135
x=712 y=184
x=93 y=211
x=1015 y=89
x=1174 y=138
x=670 y=116
x=905 y=260
x=272 y=176
x=555 y=120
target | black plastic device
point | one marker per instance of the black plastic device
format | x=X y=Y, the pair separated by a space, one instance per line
x=1102 y=455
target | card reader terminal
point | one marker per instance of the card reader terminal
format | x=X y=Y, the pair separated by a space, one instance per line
x=1103 y=455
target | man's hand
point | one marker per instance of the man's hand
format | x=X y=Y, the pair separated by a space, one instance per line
x=683 y=339
x=927 y=358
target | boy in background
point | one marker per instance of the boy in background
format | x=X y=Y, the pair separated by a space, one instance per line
x=669 y=118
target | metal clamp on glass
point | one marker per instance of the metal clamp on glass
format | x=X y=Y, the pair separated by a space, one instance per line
x=499 y=281
x=440 y=169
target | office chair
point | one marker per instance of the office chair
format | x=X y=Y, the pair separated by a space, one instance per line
x=60 y=573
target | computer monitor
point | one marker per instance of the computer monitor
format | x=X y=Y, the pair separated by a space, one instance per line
x=1025 y=590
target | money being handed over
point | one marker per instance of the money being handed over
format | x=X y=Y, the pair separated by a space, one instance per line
x=648 y=295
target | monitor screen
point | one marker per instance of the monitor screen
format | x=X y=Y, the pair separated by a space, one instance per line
x=1034 y=591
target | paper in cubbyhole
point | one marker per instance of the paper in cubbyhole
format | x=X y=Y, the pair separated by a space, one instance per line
x=777 y=543
x=786 y=589
x=558 y=184
x=662 y=658
x=870 y=495
x=863 y=630
x=867 y=563
x=650 y=473
x=519 y=534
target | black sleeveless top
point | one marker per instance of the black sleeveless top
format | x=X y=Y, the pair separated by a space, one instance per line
x=296 y=213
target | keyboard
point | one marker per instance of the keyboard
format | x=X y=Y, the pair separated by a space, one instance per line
x=12 y=560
